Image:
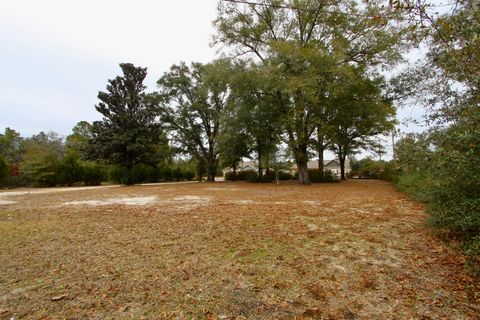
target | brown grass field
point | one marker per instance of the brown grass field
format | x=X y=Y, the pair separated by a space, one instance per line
x=353 y=250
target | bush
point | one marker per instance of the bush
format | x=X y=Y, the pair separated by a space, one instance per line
x=188 y=175
x=283 y=175
x=143 y=173
x=93 y=174
x=240 y=175
x=69 y=171
x=165 y=173
x=117 y=174
x=251 y=176
x=4 y=172
x=316 y=176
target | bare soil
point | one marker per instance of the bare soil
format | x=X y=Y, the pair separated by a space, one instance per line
x=354 y=250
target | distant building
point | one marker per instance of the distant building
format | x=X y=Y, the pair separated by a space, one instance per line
x=331 y=165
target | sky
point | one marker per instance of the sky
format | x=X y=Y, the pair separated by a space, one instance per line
x=55 y=55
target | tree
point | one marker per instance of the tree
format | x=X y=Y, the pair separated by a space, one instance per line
x=4 y=172
x=193 y=100
x=78 y=141
x=447 y=84
x=129 y=130
x=359 y=111
x=302 y=43
x=255 y=113
x=42 y=155
x=11 y=149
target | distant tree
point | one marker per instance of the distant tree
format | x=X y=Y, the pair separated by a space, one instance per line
x=301 y=43
x=42 y=155
x=4 y=172
x=256 y=113
x=129 y=131
x=193 y=101
x=10 y=147
x=359 y=113
x=77 y=142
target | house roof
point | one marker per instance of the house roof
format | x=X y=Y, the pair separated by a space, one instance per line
x=313 y=164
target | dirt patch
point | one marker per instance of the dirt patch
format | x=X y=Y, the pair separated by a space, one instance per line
x=5 y=202
x=353 y=250
x=136 y=201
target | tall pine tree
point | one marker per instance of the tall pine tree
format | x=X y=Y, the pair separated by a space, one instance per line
x=128 y=132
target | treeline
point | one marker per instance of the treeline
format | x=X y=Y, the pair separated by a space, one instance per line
x=301 y=82
x=47 y=160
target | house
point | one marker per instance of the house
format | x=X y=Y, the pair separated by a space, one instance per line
x=331 y=165
x=243 y=166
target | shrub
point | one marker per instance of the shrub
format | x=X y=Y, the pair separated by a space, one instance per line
x=143 y=173
x=93 y=174
x=283 y=175
x=240 y=175
x=4 y=172
x=165 y=173
x=316 y=176
x=69 y=171
x=117 y=174
x=251 y=176
x=188 y=175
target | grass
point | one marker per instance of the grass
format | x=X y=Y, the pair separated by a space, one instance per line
x=354 y=250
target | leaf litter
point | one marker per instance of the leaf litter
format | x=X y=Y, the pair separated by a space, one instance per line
x=355 y=250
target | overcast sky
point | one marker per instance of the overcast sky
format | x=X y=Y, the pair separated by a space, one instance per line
x=55 y=55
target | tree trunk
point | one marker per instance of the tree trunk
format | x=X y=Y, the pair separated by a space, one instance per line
x=320 y=150
x=211 y=170
x=234 y=172
x=267 y=165
x=301 y=158
x=303 y=177
x=260 y=169
x=341 y=158
x=321 y=167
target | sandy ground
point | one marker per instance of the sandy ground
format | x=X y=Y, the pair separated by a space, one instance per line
x=354 y=250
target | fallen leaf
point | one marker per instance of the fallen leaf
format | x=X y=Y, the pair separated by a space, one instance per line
x=60 y=297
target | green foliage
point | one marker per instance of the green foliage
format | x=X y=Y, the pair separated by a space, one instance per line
x=93 y=174
x=4 y=172
x=129 y=132
x=144 y=173
x=240 y=175
x=316 y=176
x=69 y=171
x=41 y=158
x=283 y=175
x=251 y=176
x=193 y=101
x=301 y=56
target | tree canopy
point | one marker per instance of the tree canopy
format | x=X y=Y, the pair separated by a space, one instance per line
x=130 y=130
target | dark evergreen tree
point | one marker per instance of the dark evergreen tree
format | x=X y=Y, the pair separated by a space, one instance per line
x=129 y=132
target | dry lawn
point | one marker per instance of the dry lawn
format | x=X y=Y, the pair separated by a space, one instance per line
x=354 y=250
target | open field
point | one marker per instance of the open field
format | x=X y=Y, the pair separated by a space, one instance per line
x=355 y=250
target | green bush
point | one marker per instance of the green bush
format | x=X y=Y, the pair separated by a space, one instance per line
x=251 y=176
x=93 y=174
x=165 y=173
x=143 y=173
x=4 y=172
x=240 y=175
x=316 y=176
x=188 y=175
x=283 y=175
x=117 y=174
x=69 y=171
